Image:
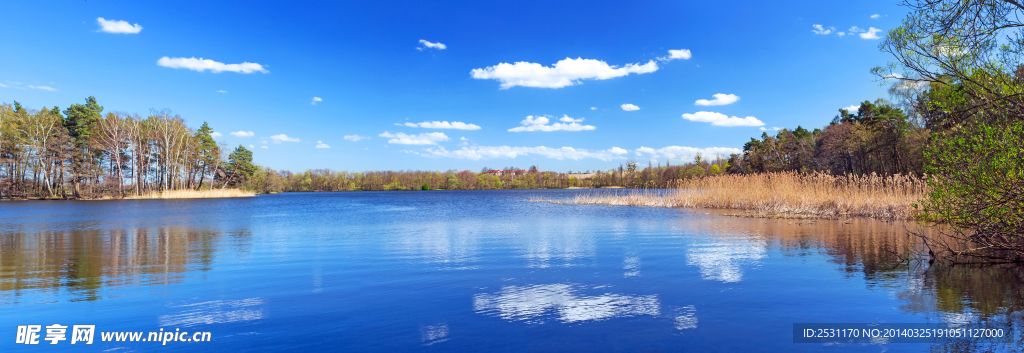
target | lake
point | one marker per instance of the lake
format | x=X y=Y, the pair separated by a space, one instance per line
x=467 y=271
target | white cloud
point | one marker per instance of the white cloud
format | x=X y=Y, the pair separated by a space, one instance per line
x=427 y=138
x=321 y=144
x=720 y=99
x=841 y=34
x=674 y=54
x=719 y=119
x=819 y=29
x=111 y=26
x=872 y=33
x=215 y=134
x=491 y=152
x=222 y=91
x=591 y=108
x=875 y=16
x=566 y=72
x=265 y=147
x=465 y=141
x=243 y=134
x=853 y=108
x=355 y=138
x=771 y=128
x=629 y=107
x=316 y=99
x=3 y=85
x=284 y=138
x=685 y=153
x=207 y=64
x=428 y=44
x=45 y=88
x=540 y=123
x=458 y=125
x=251 y=146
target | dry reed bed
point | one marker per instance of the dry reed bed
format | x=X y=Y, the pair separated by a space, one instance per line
x=194 y=194
x=789 y=195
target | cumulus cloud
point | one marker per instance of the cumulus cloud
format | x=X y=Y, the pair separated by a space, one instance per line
x=111 y=26
x=629 y=107
x=284 y=138
x=819 y=29
x=540 y=123
x=685 y=153
x=566 y=72
x=427 y=138
x=45 y=88
x=316 y=99
x=875 y=16
x=492 y=152
x=321 y=144
x=771 y=128
x=251 y=146
x=674 y=54
x=720 y=99
x=355 y=138
x=458 y=125
x=207 y=64
x=872 y=33
x=853 y=108
x=593 y=108
x=242 y=134
x=428 y=44
x=465 y=141
x=719 y=119
x=265 y=147
x=215 y=134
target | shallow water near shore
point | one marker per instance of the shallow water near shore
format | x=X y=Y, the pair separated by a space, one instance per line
x=469 y=271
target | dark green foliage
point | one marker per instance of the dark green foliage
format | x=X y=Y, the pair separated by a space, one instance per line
x=239 y=167
x=82 y=119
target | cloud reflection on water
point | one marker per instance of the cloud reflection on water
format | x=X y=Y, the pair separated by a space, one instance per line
x=215 y=312
x=722 y=260
x=532 y=303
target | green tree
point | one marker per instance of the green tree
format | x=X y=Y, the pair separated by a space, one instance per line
x=961 y=62
x=81 y=123
x=239 y=167
x=209 y=153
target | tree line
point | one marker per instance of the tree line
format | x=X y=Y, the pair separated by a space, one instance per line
x=267 y=180
x=79 y=152
x=878 y=138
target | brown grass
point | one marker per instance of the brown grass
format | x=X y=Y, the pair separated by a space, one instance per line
x=788 y=195
x=195 y=194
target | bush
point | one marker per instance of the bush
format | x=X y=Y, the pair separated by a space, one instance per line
x=978 y=188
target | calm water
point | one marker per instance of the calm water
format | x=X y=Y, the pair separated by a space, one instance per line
x=465 y=271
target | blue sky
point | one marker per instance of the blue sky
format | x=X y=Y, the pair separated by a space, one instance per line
x=497 y=70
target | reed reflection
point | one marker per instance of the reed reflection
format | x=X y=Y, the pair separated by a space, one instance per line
x=83 y=262
x=884 y=253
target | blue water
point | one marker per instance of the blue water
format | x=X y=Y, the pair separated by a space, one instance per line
x=456 y=271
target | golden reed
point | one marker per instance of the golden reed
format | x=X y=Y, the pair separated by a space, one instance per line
x=194 y=194
x=787 y=194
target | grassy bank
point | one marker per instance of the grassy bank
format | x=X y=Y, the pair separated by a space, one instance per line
x=195 y=194
x=791 y=195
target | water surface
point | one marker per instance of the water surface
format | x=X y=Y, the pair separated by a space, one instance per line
x=467 y=271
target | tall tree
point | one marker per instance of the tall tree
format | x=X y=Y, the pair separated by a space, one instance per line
x=81 y=123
